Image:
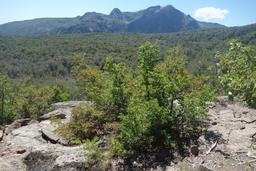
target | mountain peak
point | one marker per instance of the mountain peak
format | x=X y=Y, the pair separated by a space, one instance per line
x=116 y=13
x=155 y=19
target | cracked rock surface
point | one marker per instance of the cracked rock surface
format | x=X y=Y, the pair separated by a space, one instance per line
x=35 y=147
x=233 y=127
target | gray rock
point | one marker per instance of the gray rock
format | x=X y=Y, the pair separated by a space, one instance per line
x=25 y=147
x=16 y=124
x=1 y=135
x=59 y=114
x=55 y=158
x=203 y=168
x=223 y=100
x=50 y=136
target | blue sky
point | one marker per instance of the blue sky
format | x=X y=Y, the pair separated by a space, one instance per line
x=227 y=12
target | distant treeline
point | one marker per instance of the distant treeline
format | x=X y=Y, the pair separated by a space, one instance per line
x=51 y=57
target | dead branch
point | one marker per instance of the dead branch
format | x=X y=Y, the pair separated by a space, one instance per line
x=212 y=147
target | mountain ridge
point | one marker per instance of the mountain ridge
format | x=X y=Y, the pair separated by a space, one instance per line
x=155 y=19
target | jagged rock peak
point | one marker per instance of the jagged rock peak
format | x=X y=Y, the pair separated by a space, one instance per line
x=116 y=13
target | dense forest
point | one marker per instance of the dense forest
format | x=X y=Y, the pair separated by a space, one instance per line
x=52 y=57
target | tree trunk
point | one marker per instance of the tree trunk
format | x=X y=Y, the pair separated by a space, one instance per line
x=2 y=105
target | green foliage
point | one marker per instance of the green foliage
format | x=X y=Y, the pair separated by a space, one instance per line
x=91 y=81
x=60 y=94
x=92 y=152
x=172 y=108
x=32 y=100
x=87 y=122
x=237 y=68
x=156 y=105
x=136 y=126
x=149 y=56
x=7 y=106
x=25 y=99
x=119 y=93
x=95 y=155
x=51 y=57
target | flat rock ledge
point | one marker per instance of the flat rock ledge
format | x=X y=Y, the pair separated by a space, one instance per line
x=33 y=146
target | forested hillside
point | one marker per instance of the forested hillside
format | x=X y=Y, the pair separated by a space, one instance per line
x=52 y=56
x=155 y=19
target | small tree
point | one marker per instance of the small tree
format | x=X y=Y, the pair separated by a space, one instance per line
x=92 y=82
x=172 y=108
x=149 y=56
x=8 y=110
x=119 y=93
x=32 y=101
x=237 y=69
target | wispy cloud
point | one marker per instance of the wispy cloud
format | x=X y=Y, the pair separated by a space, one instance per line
x=209 y=13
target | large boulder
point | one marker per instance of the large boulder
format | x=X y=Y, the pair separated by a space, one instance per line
x=50 y=136
x=34 y=146
x=55 y=158
x=16 y=124
x=58 y=114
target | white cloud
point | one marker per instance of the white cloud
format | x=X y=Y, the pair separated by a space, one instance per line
x=209 y=13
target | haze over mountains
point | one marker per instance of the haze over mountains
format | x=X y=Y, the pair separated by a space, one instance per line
x=154 y=19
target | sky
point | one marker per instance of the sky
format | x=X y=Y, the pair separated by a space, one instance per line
x=227 y=12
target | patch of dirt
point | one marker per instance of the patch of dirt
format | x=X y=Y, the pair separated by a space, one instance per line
x=232 y=129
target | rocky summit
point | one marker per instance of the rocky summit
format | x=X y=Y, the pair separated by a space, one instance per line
x=155 y=19
x=227 y=143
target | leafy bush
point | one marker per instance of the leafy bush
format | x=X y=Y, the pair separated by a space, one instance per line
x=86 y=122
x=237 y=68
x=119 y=94
x=95 y=155
x=60 y=94
x=8 y=108
x=157 y=104
x=171 y=108
x=32 y=101
x=135 y=129
x=25 y=99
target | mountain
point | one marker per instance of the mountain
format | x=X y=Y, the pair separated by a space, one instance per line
x=154 y=19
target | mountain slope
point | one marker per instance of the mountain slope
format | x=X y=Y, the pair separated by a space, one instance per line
x=51 y=56
x=155 y=19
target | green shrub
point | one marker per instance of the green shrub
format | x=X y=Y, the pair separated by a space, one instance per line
x=32 y=101
x=237 y=69
x=119 y=94
x=157 y=105
x=8 y=109
x=86 y=122
x=60 y=94
x=96 y=155
x=173 y=105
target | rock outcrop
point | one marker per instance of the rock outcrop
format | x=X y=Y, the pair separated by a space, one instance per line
x=228 y=144
x=35 y=147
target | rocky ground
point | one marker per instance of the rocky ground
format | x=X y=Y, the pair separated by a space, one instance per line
x=33 y=146
x=227 y=144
